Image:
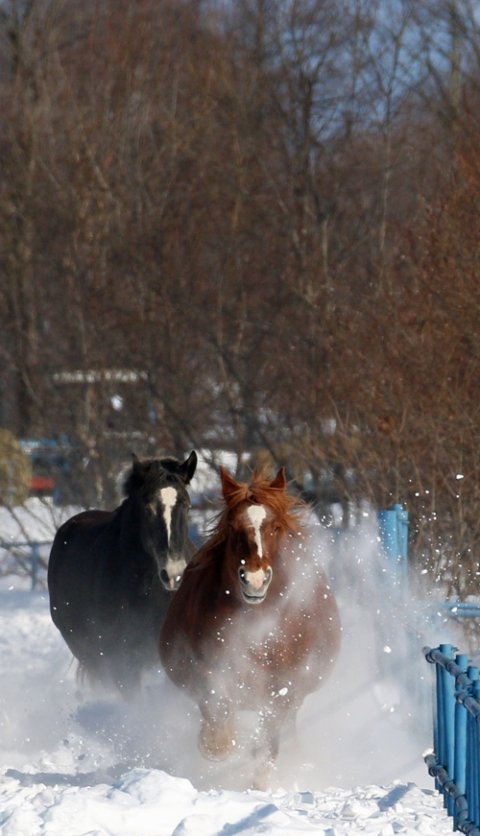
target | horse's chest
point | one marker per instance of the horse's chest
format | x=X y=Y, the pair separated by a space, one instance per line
x=282 y=649
x=275 y=653
x=250 y=652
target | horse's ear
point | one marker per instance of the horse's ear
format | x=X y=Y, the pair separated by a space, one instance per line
x=229 y=485
x=280 y=480
x=133 y=476
x=187 y=469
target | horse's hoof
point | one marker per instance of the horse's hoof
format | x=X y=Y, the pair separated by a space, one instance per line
x=263 y=777
x=215 y=744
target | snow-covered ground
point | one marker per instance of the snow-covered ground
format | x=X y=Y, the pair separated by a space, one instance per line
x=80 y=763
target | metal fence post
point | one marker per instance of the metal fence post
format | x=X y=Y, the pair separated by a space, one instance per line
x=446 y=720
x=473 y=755
x=393 y=526
x=460 y=735
x=475 y=743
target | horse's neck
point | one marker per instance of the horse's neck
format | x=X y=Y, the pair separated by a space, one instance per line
x=128 y=522
x=206 y=580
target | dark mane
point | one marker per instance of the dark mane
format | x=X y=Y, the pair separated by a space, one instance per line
x=286 y=508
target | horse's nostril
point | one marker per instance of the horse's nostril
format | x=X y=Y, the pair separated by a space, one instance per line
x=241 y=575
x=164 y=577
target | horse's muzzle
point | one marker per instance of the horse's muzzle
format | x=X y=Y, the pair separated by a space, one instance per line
x=171 y=575
x=254 y=585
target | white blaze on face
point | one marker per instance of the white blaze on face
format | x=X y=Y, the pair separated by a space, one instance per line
x=169 y=498
x=256 y=515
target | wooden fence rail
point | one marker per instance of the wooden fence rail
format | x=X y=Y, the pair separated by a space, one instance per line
x=32 y=550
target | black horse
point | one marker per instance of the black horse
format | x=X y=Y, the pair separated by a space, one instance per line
x=111 y=574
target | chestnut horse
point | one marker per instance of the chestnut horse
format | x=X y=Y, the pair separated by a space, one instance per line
x=254 y=624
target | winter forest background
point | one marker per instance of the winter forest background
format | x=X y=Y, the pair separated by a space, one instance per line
x=249 y=226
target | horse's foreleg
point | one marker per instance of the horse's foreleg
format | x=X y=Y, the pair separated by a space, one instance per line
x=217 y=734
x=267 y=743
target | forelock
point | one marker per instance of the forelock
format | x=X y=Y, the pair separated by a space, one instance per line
x=150 y=475
x=260 y=492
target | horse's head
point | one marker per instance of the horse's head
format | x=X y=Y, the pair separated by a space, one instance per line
x=159 y=489
x=257 y=518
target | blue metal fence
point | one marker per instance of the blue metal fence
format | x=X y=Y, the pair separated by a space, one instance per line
x=455 y=760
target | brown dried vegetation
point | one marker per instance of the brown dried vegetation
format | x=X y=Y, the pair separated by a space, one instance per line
x=268 y=216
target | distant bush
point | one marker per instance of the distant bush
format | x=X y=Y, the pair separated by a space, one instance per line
x=15 y=471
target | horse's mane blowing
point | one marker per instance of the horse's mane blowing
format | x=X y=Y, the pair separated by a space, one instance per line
x=285 y=507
